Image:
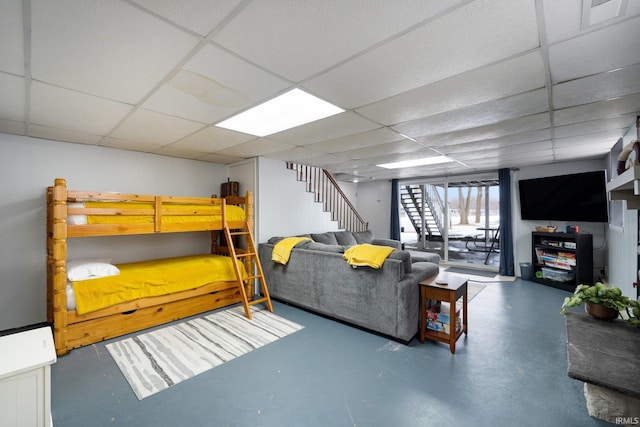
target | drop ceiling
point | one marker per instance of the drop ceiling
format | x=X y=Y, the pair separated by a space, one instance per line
x=488 y=83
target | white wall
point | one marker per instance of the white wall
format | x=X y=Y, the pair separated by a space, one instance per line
x=622 y=254
x=374 y=204
x=29 y=165
x=522 y=229
x=623 y=247
x=285 y=208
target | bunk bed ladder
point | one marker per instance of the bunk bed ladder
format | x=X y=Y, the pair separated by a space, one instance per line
x=254 y=270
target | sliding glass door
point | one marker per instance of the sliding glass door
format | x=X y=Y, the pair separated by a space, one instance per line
x=458 y=218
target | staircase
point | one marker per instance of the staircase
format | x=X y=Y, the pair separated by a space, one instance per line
x=324 y=186
x=412 y=198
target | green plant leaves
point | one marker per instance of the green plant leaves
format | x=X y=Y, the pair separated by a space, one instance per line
x=606 y=296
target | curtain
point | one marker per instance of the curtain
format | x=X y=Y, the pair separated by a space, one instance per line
x=507 y=266
x=394 y=232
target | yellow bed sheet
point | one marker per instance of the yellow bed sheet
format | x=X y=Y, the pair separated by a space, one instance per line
x=152 y=278
x=207 y=213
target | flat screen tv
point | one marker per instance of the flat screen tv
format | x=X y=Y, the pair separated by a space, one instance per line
x=580 y=197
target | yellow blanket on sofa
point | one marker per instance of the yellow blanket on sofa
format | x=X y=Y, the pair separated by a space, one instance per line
x=282 y=249
x=367 y=255
x=152 y=278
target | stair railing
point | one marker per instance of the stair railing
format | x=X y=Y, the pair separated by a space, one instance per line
x=436 y=205
x=327 y=191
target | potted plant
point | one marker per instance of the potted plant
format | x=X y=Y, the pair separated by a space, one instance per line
x=604 y=302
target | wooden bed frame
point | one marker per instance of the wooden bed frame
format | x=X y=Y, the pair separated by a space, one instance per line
x=71 y=330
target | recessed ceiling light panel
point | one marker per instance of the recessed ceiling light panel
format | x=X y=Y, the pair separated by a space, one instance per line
x=291 y=109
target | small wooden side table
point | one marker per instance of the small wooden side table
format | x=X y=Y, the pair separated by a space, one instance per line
x=448 y=288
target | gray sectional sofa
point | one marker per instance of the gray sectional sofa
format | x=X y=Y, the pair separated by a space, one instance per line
x=319 y=279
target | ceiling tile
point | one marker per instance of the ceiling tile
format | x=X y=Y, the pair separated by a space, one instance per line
x=171 y=151
x=594 y=126
x=12 y=127
x=468 y=78
x=296 y=154
x=128 y=145
x=257 y=147
x=220 y=158
x=499 y=80
x=596 y=52
x=12 y=100
x=474 y=150
x=212 y=139
x=598 y=110
x=360 y=140
x=490 y=30
x=339 y=125
x=110 y=49
x=576 y=153
x=154 y=128
x=514 y=159
x=497 y=130
x=197 y=15
x=598 y=87
x=562 y=19
x=606 y=138
x=522 y=141
x=321 y=32
x=222 y=85
x=11 y=34
x=63 y=135
x=397 y=147
x=479 y=115
x=55 y=107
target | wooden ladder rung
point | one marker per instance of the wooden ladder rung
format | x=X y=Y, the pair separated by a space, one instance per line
x=252 y=255
x=257 y=301
x=246 y=254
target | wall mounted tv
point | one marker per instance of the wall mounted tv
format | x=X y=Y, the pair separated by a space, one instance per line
x=580 y=197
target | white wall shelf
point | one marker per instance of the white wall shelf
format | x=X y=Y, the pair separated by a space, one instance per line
x=626 y=186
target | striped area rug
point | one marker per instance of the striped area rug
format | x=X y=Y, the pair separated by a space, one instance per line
x=156 y=360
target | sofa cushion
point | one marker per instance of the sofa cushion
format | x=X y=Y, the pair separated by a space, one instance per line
x=363 y=236
x=274 y=240
x=403 y=256
x=345 y=238
x=422 y=270
x=316 y=246
x=426 y=257
x=326 y=238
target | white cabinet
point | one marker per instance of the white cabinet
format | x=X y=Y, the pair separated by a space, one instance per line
x=25 y=378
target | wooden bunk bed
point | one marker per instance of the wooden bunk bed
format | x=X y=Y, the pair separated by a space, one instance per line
x=75 y=214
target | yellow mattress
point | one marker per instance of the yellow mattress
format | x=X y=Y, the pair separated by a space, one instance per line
x=152 y=278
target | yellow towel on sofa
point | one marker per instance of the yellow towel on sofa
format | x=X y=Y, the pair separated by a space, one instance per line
x=367 y=255
x=282 y=249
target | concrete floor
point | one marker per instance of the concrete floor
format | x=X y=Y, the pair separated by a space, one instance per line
x=511 y=370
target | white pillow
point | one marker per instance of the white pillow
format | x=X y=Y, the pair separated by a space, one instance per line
x=76 y=219
x=83 y=269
